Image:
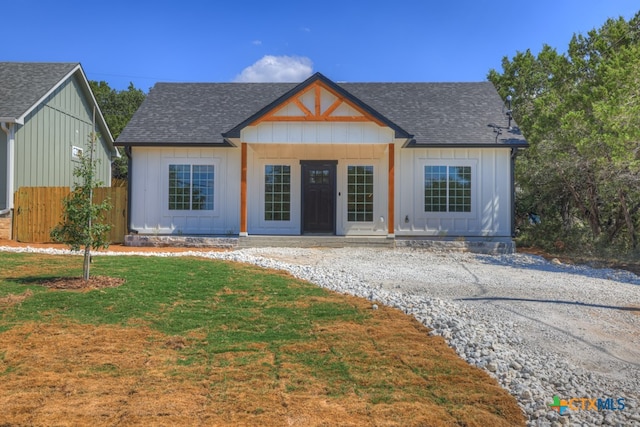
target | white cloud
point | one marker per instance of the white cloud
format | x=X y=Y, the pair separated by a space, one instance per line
x=256 y=42
x=277 y=69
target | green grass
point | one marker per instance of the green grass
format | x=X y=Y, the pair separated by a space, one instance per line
x=233 y=304
x=233 y=336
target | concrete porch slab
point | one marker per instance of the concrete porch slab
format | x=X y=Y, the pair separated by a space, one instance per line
x=314 y=241
x=478 y=245
x=481 y=245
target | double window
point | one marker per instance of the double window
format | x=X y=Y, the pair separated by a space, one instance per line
x=447 y=188
x=191 y=187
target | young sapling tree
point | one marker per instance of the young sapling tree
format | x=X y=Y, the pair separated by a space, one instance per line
x=83 y=224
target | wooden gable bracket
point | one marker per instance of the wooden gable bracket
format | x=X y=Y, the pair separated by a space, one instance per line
x=317 y=115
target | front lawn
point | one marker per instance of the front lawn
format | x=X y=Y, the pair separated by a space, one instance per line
x=187 y=341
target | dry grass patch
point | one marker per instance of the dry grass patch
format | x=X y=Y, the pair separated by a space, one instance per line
x=377 y=373
x=13 y=299
x=230 y=345
x=78 y=283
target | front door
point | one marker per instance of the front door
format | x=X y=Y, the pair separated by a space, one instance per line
x=318 y=197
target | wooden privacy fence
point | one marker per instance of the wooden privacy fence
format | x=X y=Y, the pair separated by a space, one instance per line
x=38 y=209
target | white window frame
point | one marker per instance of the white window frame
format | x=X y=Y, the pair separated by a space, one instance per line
x=379 y=224
x=449 y=162
x=372 y=165
x=256 y=198
x=264 y=193
x=191 y=162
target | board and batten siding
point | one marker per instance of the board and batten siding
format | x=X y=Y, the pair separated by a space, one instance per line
x=43 y=148
x=149 y=176
x=491 y=193
x=317 y=133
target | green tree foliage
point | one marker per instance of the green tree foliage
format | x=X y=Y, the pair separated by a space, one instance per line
x=83 y=224
x=580 y=112
x=117 y=108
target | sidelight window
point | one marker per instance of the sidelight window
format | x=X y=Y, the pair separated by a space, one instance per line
x=360 y=193
x=277 y=193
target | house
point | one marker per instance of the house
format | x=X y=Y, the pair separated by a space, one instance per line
x=46 y=116
x=411 y=160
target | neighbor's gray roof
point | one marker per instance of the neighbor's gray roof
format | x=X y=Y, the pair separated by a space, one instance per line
x=22 y=84
x=434 y=113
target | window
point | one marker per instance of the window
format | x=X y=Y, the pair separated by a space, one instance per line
x=360 y=193
x=191 y=187
x=447 y=188
x=76 y=152
x=277 y=193
x=319 y=176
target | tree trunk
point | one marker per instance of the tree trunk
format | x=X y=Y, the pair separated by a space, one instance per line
x=87 y=262
x=594 y=210
x=567 y=222
x=627 y=217
x=590 y=211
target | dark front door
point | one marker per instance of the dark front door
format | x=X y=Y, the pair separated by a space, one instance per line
x=318 y=197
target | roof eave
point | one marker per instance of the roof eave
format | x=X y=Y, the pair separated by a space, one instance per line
x=11 y=120
x=506 y=144
x=224 y=144
x=102 y=121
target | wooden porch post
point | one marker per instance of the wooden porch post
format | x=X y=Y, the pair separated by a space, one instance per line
x=243 y=190
x=392 y=193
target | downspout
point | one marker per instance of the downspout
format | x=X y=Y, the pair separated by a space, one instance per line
x=127 y=150
x=10 y=131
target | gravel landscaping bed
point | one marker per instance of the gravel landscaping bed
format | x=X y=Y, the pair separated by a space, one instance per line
x=541 y=329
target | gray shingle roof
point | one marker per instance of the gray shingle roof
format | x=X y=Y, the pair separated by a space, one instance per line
x=24 y=83
x=434 y=113
x=441 y=113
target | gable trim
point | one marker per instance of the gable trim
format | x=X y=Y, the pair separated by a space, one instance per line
x=317 y=115
x=317 y=81
x=100 y=121
x=20 y=120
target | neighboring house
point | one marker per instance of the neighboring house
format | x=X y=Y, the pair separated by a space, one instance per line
x=322 y=158
x=46 y=116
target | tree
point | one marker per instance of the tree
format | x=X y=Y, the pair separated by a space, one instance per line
x=580 y=112
x=117 y=108
x=82 y=224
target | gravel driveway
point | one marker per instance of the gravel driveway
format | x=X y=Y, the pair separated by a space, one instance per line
x=541 y=329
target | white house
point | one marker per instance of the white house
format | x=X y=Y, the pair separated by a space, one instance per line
x=322 y=158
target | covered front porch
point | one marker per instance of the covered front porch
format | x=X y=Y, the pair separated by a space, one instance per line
x=317 y=190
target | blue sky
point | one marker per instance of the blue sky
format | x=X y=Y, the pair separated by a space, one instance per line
x=145 y=42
